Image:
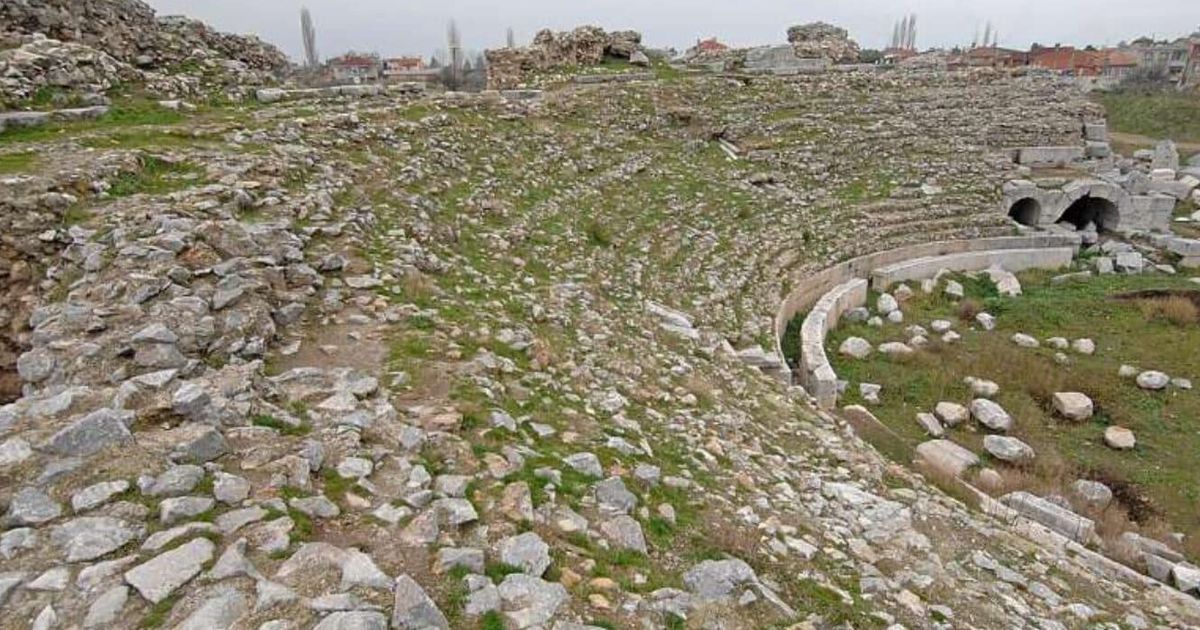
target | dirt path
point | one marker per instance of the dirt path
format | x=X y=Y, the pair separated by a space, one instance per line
x=1146 y=142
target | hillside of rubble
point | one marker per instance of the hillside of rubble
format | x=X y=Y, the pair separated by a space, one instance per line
x=473 y=361
x=70 y=53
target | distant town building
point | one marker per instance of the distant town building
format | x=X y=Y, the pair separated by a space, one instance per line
x=710 y=46
x=355 y=67
x=1118 y=64
x=1169 y=58
x=403 y=67
x=995 y=57
x=1109 y=63
x=1191 y=74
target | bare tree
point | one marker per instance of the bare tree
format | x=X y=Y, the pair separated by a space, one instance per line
x=455 y=66
x=511 y=38
x=309 y=34
x=904 y=33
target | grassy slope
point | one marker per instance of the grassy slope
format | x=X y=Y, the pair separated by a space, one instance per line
x=1167 y=424
x=1156 y=116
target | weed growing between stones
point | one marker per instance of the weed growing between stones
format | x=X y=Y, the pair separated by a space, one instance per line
x=157 y=176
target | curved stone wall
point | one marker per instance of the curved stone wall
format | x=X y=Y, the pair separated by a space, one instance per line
x=1010 y=259
x=843 y=286
x=816 y=374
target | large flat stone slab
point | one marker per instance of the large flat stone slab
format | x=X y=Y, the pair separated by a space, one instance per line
x=1061 y=520
x=160 y=576
x=946 y=457
x=1049 y=157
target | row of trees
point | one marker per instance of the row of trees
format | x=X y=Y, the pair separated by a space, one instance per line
x=904 y=33
x=991 y=37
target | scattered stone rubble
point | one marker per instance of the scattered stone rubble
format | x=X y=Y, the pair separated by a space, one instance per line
x=81 y=48
x=356 y=368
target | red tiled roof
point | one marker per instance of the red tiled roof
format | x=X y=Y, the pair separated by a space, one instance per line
x=406 y=63
x=1066 y=59
x=363 y=61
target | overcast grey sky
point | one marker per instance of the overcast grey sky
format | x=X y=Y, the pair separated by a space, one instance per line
x=395 y=27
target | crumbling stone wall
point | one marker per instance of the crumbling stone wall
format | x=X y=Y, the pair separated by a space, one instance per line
x=821 y=40
x=33 y=240
x=584 y=46
x=52 y=63
x=129 y=31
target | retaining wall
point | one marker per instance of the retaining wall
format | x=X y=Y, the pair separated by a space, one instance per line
x=816 y=375
x=813 y=288
x=1013 y=260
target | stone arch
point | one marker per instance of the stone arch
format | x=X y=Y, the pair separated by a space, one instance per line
x=1026 y=211
x=1088 y=210
x=1093 y=201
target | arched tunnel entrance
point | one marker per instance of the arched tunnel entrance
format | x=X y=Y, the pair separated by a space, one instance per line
x=1026 y=211
x=1088 y=210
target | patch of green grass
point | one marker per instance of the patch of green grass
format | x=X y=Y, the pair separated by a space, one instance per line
x=336 y=486
x=701 y=548
x=599 y=234
x=269 y=421
x=302 y=526
x=626 y=558
x=156 y=177
x=873 y=186
x=409 y=346
x=791 y=341
x=158 y=613
x=810 y=596
x=456 y=594
x=660 y=531
x=497 y=570
x=76 y=214
x=205 y=487
x=491 y=620
x=131 y=113
x=415 y=112
x=665 y=71
x=139 y=112
x=573 y=483
x=1159 y=115
x=19 y=162
x=46 y=97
